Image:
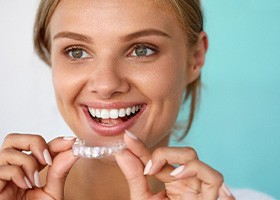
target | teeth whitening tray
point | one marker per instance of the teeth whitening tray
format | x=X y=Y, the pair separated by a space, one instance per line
x=81 y=150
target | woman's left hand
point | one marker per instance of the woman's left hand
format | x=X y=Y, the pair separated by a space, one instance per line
x=192 y=179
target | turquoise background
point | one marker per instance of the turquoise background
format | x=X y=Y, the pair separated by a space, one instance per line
x=237 y=128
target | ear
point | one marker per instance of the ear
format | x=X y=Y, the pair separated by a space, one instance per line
x=197 y=57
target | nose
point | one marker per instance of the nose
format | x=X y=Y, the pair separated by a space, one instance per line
x=107 y=80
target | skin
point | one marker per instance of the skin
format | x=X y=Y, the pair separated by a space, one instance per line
x=109 y=72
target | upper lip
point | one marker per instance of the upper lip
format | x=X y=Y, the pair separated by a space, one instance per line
x=115 y=105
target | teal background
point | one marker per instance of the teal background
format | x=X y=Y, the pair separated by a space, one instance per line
x=237 y=128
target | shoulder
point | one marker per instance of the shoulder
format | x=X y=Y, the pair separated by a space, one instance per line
x=245 y=194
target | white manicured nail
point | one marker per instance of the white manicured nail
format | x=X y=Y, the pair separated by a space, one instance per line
x=47 y=157
x=148 y=167
x=69 y=138
x=177 y=171
x=27 y=182
x=226 y=190
x=131 y=135
x=37 y=179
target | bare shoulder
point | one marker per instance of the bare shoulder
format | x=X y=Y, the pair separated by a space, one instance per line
x=245 y=194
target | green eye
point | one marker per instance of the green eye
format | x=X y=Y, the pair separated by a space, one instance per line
x=142 y=50
x=77 y=53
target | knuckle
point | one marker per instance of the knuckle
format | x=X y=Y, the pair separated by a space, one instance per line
x=10 y=155
x=38 y=139
x=6 y=151
x=4 y=154
x=9 y=137
x=190 y=152
x=194 y=164
x=219 y=179
x=16 y=171
x=159 y=152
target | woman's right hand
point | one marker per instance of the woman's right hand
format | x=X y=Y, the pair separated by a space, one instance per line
x=19 y=171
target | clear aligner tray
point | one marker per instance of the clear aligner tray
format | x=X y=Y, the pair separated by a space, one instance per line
x=80 y=149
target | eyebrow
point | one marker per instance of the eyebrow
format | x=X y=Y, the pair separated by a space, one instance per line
x=73 y=36
x=87 y=39
x=143 y=33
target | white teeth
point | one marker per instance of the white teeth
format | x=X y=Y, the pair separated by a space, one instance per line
x=105 y=114
x=92 y=112
x=133 y=109
x=128 y=111
x=113 y=113
x=98 y=113
x=122 y=112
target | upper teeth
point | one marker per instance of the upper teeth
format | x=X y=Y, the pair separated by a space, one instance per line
x=113 y=113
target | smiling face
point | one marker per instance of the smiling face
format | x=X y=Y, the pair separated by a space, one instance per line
x=118 y=65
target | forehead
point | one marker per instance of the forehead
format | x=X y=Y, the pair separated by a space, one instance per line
x=113 y=15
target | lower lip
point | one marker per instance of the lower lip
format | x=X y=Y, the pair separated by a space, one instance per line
x=112 y=130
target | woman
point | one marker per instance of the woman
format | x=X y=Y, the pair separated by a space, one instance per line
x=121 y=70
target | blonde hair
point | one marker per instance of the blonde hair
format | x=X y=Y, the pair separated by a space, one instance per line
x=188 y=13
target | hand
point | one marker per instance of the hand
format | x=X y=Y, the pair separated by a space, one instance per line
x=19 y=177
x=192 y=180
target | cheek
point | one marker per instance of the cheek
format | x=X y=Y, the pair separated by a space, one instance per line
x=164 y=87
x=165 y=82
x=66 y=84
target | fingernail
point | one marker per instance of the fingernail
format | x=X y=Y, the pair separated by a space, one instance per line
x=177 y=171
x=148 y=167
x=37 y=179
x=131 y=135
x=226 y=190
x=69 y=138
x=27 y=182
x=47 y=157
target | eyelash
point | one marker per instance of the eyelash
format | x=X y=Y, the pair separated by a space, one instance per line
x=149 y=47
x=70 y=49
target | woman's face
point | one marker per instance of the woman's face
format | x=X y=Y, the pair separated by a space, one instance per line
x=118 y=65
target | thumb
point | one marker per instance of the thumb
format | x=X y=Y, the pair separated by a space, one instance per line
x=132 y=169
x=58 y=171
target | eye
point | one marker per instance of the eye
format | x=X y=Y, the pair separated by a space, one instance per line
x=143 y=50
x=77 y=53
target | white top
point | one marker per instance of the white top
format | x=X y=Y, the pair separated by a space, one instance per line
x=248 y=194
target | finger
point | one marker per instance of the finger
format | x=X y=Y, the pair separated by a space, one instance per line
x=60 y=144
x=211 y=180
x=28 y=142
x=171 y=155
x=62 y=163
x=225 y=193
x=132 y=168
x=164 y=156
x=28 y=163
x=15 y=174
x=139 y=149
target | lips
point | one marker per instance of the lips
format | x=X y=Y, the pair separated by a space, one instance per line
x=110 y=120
